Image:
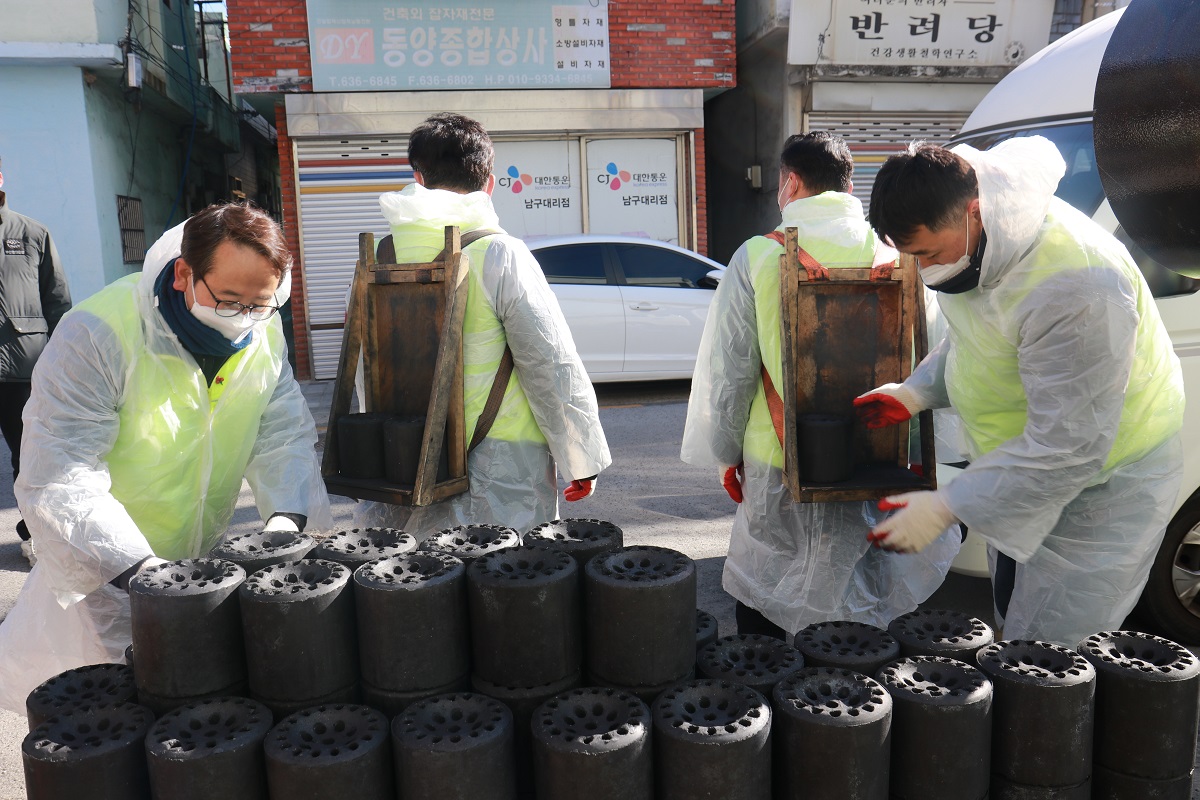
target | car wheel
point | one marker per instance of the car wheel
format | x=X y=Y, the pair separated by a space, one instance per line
x=1171 y=599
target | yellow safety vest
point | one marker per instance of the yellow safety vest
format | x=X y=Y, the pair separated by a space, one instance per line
x=483 y=339
x=983 y=378
x=761 y=443
x=183 y=446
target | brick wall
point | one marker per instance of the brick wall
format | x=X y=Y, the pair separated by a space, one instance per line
x=672 y=44
x=291 y=230
x=677 y=44
x=269 y=46
x=701 y=197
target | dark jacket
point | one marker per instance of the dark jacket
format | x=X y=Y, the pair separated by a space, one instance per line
x=33 y=292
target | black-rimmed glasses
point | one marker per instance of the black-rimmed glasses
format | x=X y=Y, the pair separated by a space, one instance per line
x=232 y=308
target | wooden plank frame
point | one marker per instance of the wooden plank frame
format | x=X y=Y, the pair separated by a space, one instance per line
x=406 y=320
x=843 y=337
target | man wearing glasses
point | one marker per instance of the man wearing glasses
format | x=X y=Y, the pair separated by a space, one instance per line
x=154 y=399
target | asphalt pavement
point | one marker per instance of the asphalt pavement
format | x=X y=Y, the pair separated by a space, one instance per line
x=653 y=496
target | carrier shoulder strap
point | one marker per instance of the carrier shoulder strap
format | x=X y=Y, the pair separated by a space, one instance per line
x=774 y=401
x=503 y=373
x=809 y=263
x=774 y=405
x=385 y=251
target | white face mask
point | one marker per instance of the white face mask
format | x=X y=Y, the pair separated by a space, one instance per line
x=936 y=274
x=232 y=328
x=781 y=197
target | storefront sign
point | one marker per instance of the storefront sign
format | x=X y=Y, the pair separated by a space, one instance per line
x=375 y=45
x=632 y=188
x=925 y=32
x=538 y=187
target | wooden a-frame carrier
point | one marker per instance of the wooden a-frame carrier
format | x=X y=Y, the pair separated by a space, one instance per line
x=841 y=338
x=406 y=320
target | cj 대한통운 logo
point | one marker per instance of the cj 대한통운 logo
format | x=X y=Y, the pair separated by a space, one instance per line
x=517 y=181
x=613 y=176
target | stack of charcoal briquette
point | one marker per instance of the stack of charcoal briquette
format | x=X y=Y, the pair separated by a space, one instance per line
x=564 y=665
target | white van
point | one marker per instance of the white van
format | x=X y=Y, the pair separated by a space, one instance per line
x=1051 y=95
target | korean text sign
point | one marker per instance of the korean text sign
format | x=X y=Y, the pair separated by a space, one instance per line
x=926 y=32
x=538 y=187
x=369 y=45
x=632 y=188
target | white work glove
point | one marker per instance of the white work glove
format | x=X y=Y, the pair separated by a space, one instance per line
x=922 y=517
x=281 y=523
x=890 y=404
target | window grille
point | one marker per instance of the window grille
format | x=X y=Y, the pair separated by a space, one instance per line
x=133 y=230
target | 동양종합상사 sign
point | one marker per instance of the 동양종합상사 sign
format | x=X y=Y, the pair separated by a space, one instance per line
x=376 y=45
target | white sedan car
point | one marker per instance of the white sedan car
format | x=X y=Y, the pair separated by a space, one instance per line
x=636 y=307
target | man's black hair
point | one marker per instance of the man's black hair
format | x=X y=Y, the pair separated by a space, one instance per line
x=924 y=185
x=452 y=152
x=821 y=159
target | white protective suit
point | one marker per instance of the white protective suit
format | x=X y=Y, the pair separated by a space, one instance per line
x=549 y=414
x=128 y=452
x=795 y=563
x=948 y=444
x=1071 y=399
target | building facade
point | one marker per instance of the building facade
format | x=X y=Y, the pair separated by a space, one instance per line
x=880 y=73
x=596 y=110
x=110 y=133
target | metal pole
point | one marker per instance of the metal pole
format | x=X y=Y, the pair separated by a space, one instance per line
x=204 y=45
x=228 y=70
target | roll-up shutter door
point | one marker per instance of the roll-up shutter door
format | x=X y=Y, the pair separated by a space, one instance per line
x=874 y=137
x=339 y=184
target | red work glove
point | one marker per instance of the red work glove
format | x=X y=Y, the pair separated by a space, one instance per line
x=732 y=481
x=580 y=489
x=883 y=272
x=890 y=404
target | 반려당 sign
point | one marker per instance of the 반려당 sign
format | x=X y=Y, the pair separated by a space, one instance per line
x=377 y=45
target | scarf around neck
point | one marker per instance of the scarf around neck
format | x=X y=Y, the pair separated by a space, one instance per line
x=196 y=337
